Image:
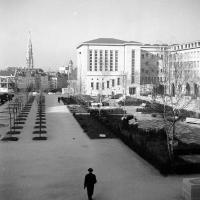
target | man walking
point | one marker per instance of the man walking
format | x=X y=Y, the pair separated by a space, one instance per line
x=90 y=180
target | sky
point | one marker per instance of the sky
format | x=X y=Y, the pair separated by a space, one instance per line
x=58 y=26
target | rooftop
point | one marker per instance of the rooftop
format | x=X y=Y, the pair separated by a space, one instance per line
x=113 y=41
x=108 y=41
x=105 y=41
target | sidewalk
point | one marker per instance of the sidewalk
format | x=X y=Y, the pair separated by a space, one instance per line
x=54 y=169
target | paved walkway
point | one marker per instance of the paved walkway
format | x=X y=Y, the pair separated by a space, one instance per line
x=55 y=169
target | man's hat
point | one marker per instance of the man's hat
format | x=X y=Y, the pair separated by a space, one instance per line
x=90 y=170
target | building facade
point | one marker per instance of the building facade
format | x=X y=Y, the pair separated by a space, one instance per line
x=108 y=66
x=152 y=72
x=184 y=68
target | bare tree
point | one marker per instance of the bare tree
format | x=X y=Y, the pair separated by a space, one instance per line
x=172 y=95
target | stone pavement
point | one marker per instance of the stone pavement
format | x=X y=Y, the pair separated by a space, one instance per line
x=55 y=169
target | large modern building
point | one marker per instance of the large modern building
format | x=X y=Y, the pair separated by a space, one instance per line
x=109 y=66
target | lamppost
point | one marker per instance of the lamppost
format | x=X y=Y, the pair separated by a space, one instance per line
x=79 y=53
x=124 y=88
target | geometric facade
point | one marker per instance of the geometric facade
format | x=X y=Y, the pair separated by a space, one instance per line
x=110 y=66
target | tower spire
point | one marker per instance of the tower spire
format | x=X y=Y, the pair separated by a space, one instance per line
x=29 y=57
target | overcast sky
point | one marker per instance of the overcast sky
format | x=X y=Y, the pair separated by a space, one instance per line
x=59 y=26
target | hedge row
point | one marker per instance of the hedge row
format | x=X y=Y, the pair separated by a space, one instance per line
x=151 y=145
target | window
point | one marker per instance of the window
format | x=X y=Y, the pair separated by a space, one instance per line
x=101 y=60
x=106 y=60
x=108 y=84
x=92 y=85
x=116 y=60
x=95 y=60
x=103 y=86
x=113 y=82
x=90 y=60
x=132 y=90
x=111 y=60
x=133 y=67
x=118 y=81
x=3 y=85
x=97 y=85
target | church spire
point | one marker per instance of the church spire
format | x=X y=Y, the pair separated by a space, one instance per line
x=29 y=57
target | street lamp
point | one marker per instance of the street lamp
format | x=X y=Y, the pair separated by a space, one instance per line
x=79 y=53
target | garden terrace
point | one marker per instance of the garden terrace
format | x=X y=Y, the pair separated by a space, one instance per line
x=148 y=139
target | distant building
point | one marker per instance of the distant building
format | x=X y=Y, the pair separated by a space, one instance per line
x=63 y=70
x=67 y=69
x=7 y=81
x=67 y=77
x=53 y=83
x=110 y=66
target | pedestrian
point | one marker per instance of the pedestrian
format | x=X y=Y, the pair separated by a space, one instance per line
x=90 y=180
x=58 y=99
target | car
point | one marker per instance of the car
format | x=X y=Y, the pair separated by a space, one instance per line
x=35 y=93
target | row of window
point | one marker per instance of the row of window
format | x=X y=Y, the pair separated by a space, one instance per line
x=151 y=71
x=189 y=64
x=6 y=85
x=186 y=55
x=112 y=82
x=104 y=59
x=4 y=80
x=152 y=80
x=150 y=55
x=187 y=46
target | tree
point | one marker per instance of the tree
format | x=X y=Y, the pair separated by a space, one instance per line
x=169 y=98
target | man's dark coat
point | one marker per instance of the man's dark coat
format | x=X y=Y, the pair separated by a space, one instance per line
x=90 y=180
